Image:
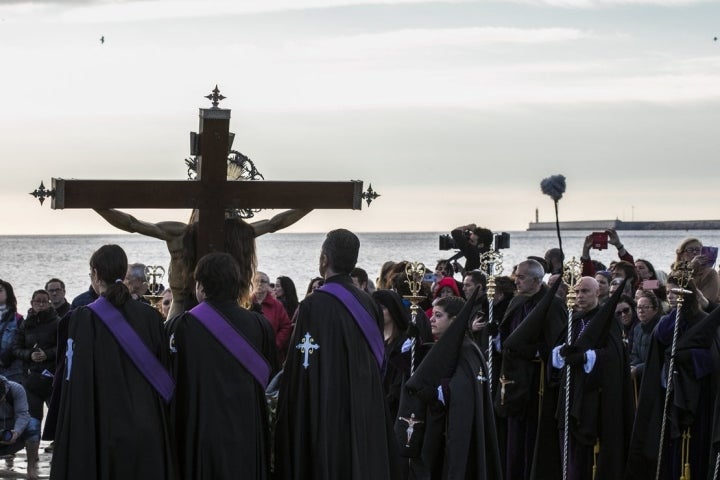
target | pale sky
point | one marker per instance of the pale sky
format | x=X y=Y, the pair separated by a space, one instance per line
x=453 y=110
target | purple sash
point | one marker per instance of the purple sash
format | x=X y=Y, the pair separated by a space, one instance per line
x=366 y=322
x=233 y=341
x=145 y=361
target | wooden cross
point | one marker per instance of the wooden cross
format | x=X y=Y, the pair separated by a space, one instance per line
x=210 y=193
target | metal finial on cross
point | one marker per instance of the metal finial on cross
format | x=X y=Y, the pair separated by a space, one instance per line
x=370 y=195
x=41 y=193
x=215 y=97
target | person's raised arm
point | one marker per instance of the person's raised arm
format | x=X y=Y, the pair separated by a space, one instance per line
x=124 y=221
x=278 y=222
x=614 y=239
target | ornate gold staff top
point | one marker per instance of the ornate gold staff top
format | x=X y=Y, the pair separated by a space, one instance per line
x=154 y=275
x=572 y=272
x=491 y=264
x=415 y=271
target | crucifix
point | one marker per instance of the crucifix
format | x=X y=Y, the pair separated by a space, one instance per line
x=307 y=347
x=504 y=382
x=210 y=194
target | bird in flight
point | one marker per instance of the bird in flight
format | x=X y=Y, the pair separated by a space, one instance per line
x=102 y=39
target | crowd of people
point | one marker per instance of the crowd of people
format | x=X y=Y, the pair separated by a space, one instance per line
x=465 y=376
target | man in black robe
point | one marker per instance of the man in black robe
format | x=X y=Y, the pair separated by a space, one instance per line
x=527 y=396
x=219 y=407
x=332 y=421
x=601 y=402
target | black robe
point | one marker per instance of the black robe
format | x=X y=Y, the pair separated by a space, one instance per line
x=221 y=420
x=112 y=423
x=332 y=416
x=692 y=405
x=528 y=418
x=470 y=447
x=601 y=405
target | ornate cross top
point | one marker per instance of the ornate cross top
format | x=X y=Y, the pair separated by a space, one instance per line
x=215 y=97
x=307 y=347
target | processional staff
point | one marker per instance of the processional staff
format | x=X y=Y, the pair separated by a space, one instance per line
x=491 y=264
x=684 y=275
x=572 y=273
x=415 y=271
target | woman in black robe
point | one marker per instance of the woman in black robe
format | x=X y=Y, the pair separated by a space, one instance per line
x=112 y=421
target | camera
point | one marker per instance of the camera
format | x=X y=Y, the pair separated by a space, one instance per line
x=6 y=435
x=502 y=240
x=447 y=242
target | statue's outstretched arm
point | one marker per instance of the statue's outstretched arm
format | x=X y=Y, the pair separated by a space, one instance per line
x=124 y=221
x=278 y=222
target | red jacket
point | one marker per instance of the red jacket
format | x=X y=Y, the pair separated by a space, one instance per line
x=274 y=311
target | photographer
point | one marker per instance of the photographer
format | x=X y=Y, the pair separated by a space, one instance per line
x=17 y=429
x=472 y=241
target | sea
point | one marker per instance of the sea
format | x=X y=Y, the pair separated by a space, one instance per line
x=28 y=261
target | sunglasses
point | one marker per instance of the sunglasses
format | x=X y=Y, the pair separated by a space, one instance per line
x=624 y=311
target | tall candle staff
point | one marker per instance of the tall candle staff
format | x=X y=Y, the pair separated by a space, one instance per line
x=572 y=272
x=683 y=276
x=415 y=271
x=154 y=275
x=491 y=265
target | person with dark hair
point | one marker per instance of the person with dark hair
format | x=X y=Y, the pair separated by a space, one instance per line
x=397 y=320
x=35 y=344
x=332 y=416
x=17 y=428
x=221 y=421
x=286 y=293
x=360 y=279
x=626 y=315
x=445 y=424
x=10 y=321
x=554 y=259
x=56 y=288
x=180 y=240
x=113 y=414
x=472 y=241
x=314 y=284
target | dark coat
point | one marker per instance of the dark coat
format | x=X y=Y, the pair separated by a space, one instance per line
x=38 y=331
x=112 y=423
x=332 y=421
x=219 y=408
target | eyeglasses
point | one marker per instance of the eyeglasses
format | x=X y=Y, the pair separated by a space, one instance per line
x=695 y=250
x=645 y=307
x=624 y=311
